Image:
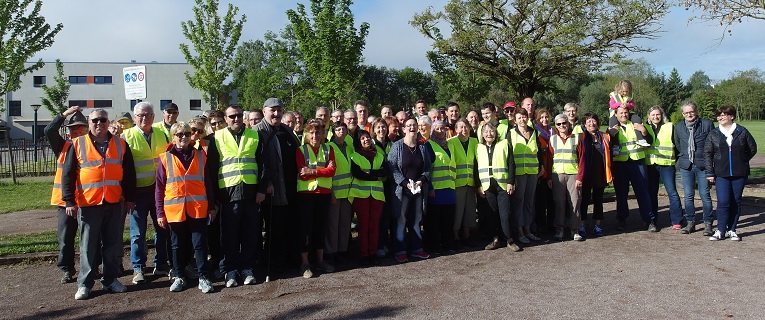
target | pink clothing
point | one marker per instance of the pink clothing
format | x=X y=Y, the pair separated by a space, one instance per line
x=616 y=101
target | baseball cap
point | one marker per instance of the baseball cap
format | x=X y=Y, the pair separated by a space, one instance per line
x=509 y=105
x=77 y=119
x=171 y=106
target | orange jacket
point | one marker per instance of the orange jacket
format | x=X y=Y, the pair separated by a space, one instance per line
x=185 y=192
x=56 y=195
x=100 y=178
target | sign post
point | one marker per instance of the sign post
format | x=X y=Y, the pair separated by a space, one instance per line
x=135 y=82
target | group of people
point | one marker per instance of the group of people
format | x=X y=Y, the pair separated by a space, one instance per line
x=416 y=185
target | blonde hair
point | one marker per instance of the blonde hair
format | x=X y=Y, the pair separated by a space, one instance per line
x=626 y=84
x=179 y=126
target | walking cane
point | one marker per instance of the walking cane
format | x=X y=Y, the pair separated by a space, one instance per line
x=270 y=228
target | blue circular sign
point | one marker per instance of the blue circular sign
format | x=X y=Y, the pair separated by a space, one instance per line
x=127 y=77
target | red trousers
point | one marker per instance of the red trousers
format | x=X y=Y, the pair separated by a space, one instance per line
x=368 y=211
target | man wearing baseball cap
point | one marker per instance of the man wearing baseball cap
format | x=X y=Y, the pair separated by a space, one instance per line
x=169 y=118
x=67 y=226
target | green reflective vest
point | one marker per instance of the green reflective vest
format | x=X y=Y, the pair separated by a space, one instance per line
x=502 y=129
x=525 y=153
x=444 y=168
x=463 y=160
x=314 y=161
x=565 y=160
x=145 y=156
x=495 y=167
x=627 y=140
x=160 y=126
x=237 y=162
x=662 y=150
x=341 y=182
x=364 y=189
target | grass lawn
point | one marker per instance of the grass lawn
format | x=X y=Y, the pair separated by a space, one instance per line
x=756 y=128
x=27 y=195
x=48 y=242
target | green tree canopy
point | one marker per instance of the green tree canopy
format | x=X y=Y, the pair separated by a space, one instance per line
x=529 y=42
x=57 y=95
x=214 y=42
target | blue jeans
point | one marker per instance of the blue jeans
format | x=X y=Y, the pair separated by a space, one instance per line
x=626 y=173
x=409 y=219
x=729 y=211
x=144 y=207
x=691 y=178
x=667 y=176
x=187 y=236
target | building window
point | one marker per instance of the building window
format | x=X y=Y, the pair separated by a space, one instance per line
x=163 y=103
x=102 y=104
x=132 y=104
x=78 y=79
x=80 y=103
x=38 y=81
x=102 y=79
x=195 y=104
x=14 y=108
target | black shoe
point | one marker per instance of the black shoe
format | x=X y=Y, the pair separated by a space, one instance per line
x=708 y=229
x=689 y=228
x=621 y=225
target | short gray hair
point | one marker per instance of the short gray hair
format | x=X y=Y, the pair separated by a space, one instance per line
x=689 y=103
x=143 y=105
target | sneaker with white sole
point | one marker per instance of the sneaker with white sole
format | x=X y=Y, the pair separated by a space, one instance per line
x=733 y=236
x=643 y=143
x=231 y=279
x=162 y=270
x=138 y=277
x=306 y=271
x=178 y=284
x=116 y=287
x=205 y=285
x=716 y=236
x=578 y=237
x=249 y=277
x=82 y=293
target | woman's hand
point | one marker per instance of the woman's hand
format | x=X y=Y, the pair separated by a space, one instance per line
x=578 y=184
x=510 y=189
x=480 y=192
x=711 y=179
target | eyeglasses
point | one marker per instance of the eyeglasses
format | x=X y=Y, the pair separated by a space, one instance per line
x=199 y=131
x=171 y=112
x=689 y=113
x=99 y=120
x=236 y=115
x=561 y=124
x=143 y=115
x=183 y=134
x=216 y=123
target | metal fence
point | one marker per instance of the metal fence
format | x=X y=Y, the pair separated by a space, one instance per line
x=24 y=155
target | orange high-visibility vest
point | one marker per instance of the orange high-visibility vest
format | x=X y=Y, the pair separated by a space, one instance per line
x=56 y=195
x=185 y=191
x=100 y=178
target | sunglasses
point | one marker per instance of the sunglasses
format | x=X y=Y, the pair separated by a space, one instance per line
x=216 y=123
x=561 y=124
x=183 y=134
x=199 y=131
x=143 y=115
x=99 y=120
x=171 y=112
x=236 y=115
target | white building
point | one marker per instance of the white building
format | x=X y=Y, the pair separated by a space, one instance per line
x=100 y=85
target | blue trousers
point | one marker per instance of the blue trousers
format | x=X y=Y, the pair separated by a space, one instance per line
x=191 y=232
x=145 y=207
x=626 y=173
x=691 y=178
x=665 y=174
x=408 y=218
x=729 y=191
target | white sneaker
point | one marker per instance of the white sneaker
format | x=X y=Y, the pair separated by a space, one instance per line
x=82 y=293
x=717 y=236
x=177 y=285
x=231 y=279
x=249 y=277
x=116 y=287
x=577 y=237
x=643 y=143
x=734 y=236
x=205 y=285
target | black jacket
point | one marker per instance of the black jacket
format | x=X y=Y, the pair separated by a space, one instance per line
x=723 y=161
x=702 y=128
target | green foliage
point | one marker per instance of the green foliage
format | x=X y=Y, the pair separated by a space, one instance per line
x=398 y=88
x=699 y=81
x=593 y=98
x=672 y=91
x=331 y=48
x=26 y=195
x=529 y=42
x=214 y=42
x=726 y=12
x=56 y=96
x=745 y=91
x=23 y=33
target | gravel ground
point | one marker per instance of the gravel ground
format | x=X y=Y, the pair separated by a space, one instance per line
x=630 y=275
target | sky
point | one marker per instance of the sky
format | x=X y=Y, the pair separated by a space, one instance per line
x=150 y=30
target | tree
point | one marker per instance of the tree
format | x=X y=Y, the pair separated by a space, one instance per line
x=529 y=42
x=745 y=91
x=699 y=81
x=673 y=92
x=214 y=41
x=56 y=96
x=727 y=12
x=465 y=87
x=23 y=33
x=330 y=46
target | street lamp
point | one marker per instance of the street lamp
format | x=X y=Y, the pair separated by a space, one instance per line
x=35 y=107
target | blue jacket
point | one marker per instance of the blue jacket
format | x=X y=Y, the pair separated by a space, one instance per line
x=702 y=129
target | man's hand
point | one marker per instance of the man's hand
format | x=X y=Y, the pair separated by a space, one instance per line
x=480 y=192
x=270 y=189
x=711 y=179
x=259 y=197
x=162 y=222
x=510 y=189
x=214 y=214
x=578 y=184
x=71 y=111
x=71 y=211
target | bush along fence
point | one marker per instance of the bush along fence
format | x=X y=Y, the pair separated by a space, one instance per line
x=25 y=159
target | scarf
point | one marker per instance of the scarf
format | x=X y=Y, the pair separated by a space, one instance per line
x=728 y=133
x=691 y=142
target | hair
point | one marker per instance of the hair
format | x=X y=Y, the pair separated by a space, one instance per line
x=387 y=106
x=663 y=114
x=178 y=126
x=360 y=103
x=590 y=115
x=538 y=113
x=99 y=111
x=216 y=114
x=424 y=119
x=288 y=114
x=348 y=111
x=452 y=104
x=357 y=138
x=257 y=110
x=437 y=124
x=490 y=106
x=729 y=110
x=623 y=84
x=486 y=126
x=420 y=101
x=314 y=124
x=689 y=103
x=378 y=121
x=570 y=105
x=143 y=105
x=521 y=111
x=465 y=122
x=390 y=120
x=338 y=124
x=116 y=124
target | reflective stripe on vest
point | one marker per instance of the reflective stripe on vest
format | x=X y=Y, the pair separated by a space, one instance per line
x=463 y=161
x=444 y=170
x=99 y=178
x=314 y=162
x=341 y=182
x=565 y=159
x=57 y=194
x=525 y=153
x=498 y=168
x=185 y=192
x=662 y=150
x=238 y=163
x=145 y=156
x=364 y=189
x=627 y=140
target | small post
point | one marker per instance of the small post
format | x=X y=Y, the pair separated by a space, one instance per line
x=35 y=107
